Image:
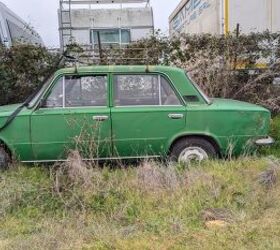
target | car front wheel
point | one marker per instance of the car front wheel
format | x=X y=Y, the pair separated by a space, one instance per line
x=190 y=150
x=5 y=159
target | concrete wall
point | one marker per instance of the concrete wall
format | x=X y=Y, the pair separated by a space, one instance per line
x=276 y=16
x=209 y=16
x=138 y=20
x=255 y=15
x=196 y=16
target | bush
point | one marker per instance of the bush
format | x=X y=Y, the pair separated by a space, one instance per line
x=240 y=67
x=22 y=69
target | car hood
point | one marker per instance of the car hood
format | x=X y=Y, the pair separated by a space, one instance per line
x=7 y=110
x=228 y=104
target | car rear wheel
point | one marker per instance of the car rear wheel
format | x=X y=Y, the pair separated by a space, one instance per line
x=5 y=159
x=189 y=150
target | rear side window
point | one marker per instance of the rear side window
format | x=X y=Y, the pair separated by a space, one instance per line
x=143 y=90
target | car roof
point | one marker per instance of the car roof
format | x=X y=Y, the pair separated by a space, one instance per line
x=120 y=69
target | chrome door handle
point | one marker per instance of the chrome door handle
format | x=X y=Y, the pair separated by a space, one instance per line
x=100 y=118
x=176 y=116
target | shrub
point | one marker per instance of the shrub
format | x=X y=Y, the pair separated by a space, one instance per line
x=235 y=66
x=22 y=69
x=240 y=67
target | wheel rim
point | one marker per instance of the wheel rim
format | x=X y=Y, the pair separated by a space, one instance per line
x=193 y=154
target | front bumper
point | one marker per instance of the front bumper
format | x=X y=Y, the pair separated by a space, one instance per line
x=267 y=141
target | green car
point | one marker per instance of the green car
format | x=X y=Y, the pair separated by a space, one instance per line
x=128 y=112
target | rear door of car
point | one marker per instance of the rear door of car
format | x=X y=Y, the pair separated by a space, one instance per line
x=75 y=114
x=147 y=112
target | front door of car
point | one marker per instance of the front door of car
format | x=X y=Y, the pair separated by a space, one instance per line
x=74 y=114
x=147 y=112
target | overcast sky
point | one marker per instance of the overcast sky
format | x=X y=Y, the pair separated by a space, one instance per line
x=42 y=14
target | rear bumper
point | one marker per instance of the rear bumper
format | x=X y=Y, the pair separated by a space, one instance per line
x=267 y=141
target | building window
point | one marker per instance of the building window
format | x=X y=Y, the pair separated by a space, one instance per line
x=111 y=36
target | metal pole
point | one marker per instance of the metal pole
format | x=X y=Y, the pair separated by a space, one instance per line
x=235 y=54
x=120 y=31
x=271 y=16
x=227 y=28
x=100 y=47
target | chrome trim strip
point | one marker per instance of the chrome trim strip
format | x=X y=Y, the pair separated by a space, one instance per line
x=63 y=92
x=159 y=90
x=152 y=106
x=97 y=159
x=265 y=141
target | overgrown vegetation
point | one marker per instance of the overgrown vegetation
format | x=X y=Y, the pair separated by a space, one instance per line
x=239 y=66
x=22 y=69
x=218 y=205
x=236 y=66
x=275 y=133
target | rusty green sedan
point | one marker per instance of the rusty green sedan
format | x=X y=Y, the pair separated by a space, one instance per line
x=128 y=112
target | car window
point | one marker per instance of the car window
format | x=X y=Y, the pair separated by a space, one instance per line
x=167 y=94
x=143 y=90
x=73 y=91
x=55 y=98
x=86 y=91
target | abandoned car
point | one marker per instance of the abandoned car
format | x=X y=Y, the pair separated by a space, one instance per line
x=127 y=112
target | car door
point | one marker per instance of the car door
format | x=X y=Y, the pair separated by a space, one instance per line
x=74 y=114
x=147 y=112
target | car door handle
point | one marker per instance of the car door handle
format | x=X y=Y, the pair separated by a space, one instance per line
x=100 y=118
x=176 y=116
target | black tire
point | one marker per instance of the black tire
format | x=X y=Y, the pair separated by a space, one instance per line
x=193 y=142
x=5 y=159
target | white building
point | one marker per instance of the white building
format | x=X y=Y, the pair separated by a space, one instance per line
x=117 y=22
x=222 y=16
x=13 y=29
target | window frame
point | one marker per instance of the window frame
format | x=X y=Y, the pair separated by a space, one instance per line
x=119 y=30
x=160 y=105
x=198 y=89
x=55 y=81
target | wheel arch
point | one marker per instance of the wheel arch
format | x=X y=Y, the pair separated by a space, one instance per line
x=7 y=148
x=206 y=137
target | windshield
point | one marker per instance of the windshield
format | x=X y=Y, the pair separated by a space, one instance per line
x=201 y=92
x=40 y=92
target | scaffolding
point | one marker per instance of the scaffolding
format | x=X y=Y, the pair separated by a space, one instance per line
x=66 y=6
